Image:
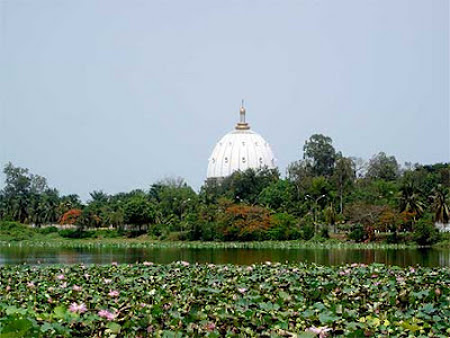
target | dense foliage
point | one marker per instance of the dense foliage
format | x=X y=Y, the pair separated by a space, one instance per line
x=324 y=193
x=224 y=300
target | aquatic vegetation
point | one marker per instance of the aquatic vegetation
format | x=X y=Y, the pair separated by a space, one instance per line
x=217 y=300
x=138 y=243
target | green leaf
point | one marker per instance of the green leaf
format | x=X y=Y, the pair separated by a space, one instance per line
x=60 y=312
x=327 y=317
x=113 y=327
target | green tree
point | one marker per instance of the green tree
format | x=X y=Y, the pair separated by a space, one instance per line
x=319 y=152
x=383 y=167
x=300 y=174
x=174 y=199
x=26 y=197
x=279 y=196
x=246 y=186
x=440 y=204
x=138 y=211
x=411 y=201
x=343 y=178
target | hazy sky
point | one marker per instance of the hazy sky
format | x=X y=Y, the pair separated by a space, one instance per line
x=115 y=95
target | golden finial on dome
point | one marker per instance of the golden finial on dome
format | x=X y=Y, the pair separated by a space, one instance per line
x=242 y=125
x=242 y=110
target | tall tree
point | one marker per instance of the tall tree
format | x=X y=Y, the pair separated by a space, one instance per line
x=320 y=153
x=383 y=167
x=343 y=177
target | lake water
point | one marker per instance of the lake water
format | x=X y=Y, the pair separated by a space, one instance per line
x=400 y=257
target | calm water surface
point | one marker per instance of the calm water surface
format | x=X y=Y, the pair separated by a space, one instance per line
x=400 y=257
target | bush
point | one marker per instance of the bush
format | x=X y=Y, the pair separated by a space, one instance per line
x=157 y=230
x=131 y=233
x=425 y=233
x=357 y=234
x=177 y=236
x=48 y=230
x=106 y=234
x=14 y=231
x=75 y=234
x=392 y=238
x=324 y=232
x=307 y=232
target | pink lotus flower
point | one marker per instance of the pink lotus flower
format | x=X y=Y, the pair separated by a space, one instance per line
x=242 y=290
x=31 y=285
x=108 y=315
x=184 y=263
x=50 y=300
x=148 y=263
x=400 y=280
x=114 y=263
x=268 y=263
x=344 y=272
x=60 y=277
x=76 y=288
x=412 y=270
x=86 y=275
x=113 y=293
x=374 y=276
x=320 y=331
x=8 y=288
x=210 y=326
x=249 y=268
x=64 y=285
x=354 y=265
x=77 y=308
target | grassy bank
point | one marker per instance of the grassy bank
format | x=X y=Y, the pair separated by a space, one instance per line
x=261 y=300
x=15 y=234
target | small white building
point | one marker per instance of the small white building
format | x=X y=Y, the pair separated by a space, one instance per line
x=239 y=150
x=442 y=227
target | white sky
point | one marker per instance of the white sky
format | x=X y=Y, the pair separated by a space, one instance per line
x=115 y=95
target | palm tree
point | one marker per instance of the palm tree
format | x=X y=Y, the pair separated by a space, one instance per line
x=410 y=200
x=440 y=204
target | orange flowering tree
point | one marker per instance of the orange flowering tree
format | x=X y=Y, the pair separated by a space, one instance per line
x=246 y=222
x=70 y=217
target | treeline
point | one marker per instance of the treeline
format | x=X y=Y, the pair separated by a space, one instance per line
x=323 y=192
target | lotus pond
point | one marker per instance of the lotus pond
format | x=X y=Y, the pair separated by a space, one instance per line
x=182 y=299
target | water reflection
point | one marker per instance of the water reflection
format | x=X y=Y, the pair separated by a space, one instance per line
x=401 y=257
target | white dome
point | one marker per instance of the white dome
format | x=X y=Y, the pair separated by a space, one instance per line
x=240 y=149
